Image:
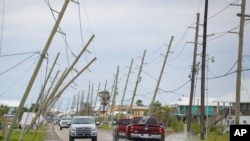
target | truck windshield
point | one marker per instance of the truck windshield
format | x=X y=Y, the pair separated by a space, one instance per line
x=83 y=121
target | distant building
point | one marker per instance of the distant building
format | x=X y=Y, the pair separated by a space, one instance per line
x=135 y=111
x=229 y=99
x=181 y=106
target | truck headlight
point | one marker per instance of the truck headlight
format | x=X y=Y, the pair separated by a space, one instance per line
x=72 y=129
x=93 y=128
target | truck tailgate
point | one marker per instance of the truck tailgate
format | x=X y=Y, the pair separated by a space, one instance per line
x=147 y=129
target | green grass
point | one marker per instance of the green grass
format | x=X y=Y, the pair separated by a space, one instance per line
x=32 y=135
x=212 y=136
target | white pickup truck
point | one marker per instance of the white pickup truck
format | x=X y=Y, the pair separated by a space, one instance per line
x=83 y=127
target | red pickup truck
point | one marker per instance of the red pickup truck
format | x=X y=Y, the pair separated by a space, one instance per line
x=146 y=128
x=119 y=130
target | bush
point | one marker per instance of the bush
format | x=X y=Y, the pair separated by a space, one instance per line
x=220 y=128
x=195 y=129
x=178 y=126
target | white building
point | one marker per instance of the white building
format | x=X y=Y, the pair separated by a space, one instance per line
x=244 y=107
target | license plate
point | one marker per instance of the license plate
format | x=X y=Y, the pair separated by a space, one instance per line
x=146 y=135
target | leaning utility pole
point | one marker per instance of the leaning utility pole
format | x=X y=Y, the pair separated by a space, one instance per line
x=33 y=77
x=114 y=95
x=239 y=66
x=159 y=80
x=203 y=72
x=41 y=95
x=137 y=81
x=124 y=91
x=193 y=76
x=97 y=94
x=91 y=99
x=88 y=100
x=55 y=94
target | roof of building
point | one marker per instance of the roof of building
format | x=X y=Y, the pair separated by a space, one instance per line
x=184 y=101
x=135 y=107
x=10 y=103
x=230 y=98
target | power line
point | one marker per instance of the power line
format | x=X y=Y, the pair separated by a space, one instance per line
x=176 y=88
x=1 y=39
x=17 y=80
x=22 y=53
x=60 y=31
x=80 y=24
x=222 y=10
x=221 y=34
x=11 y=68
x=248 y=69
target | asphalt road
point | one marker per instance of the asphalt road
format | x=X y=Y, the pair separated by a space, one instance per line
x=106 y=135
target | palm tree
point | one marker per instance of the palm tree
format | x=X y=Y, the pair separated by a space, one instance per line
x=139 y=102
x=156 y=105
x=105 y=97
x=165 y=114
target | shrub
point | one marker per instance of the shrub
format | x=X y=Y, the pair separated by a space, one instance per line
x=178 y=126
x=195 y=129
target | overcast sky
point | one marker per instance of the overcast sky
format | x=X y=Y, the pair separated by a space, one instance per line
x=123 y=30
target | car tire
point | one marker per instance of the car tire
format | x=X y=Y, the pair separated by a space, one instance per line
x=71 y=138
x=94 y=138
x=115 y=138
x=60 y=128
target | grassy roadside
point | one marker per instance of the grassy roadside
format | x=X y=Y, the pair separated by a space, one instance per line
x=33 y=135
x=212 y=136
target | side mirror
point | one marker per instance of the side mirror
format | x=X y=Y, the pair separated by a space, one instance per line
x=97 y=123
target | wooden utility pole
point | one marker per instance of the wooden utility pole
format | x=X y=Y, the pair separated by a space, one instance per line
x=41 y=95
x=159 y=80
x=203 y=72
x=55 y=95
x=110 y=102
x=82 y=103
x=33 y=77
x=239 y=65
x=78 y=104
x=124 y=91
x=91 y=99
x=189 y=118
x=114 y=95
x=137 y=82
x=88 y=100
x=97 y=93
x=73 y=103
